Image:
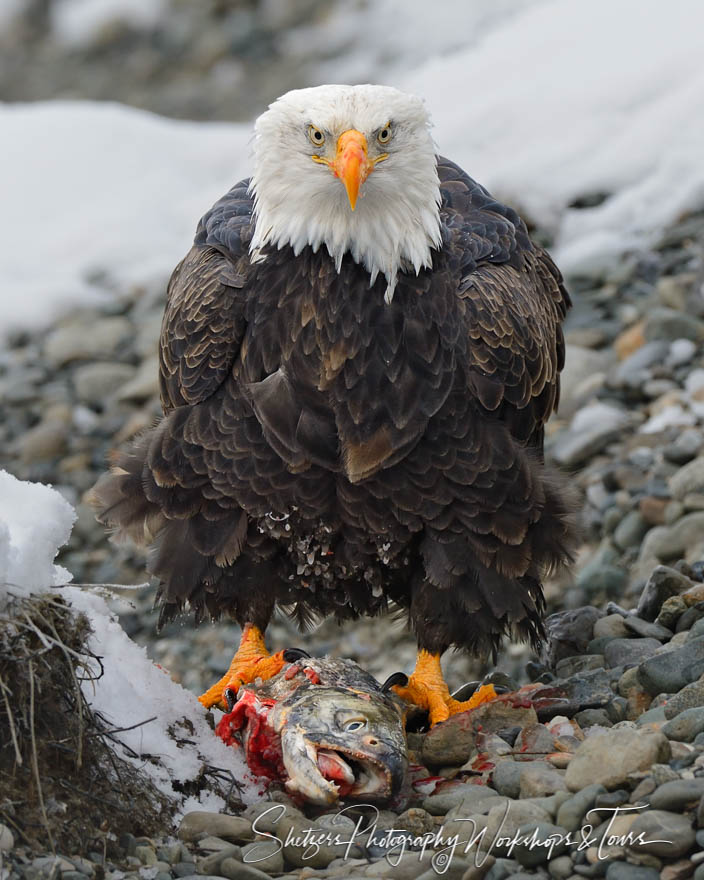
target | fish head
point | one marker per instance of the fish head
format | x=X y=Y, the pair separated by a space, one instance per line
x=341 y=743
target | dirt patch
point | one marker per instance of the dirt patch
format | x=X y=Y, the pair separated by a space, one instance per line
x=63 y=785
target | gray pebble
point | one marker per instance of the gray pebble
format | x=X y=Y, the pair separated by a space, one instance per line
x=685 y=726
x=231 y=828
x=264 y=855
x=648 y=630
x=572 y=812
x=689 y=478
x=630 y=531
x=629 y=651
x=662 y=583
x=626 y=871
x=571 y=665
x=612 y=625
x=676 y=831
x=609 y=757
x=96 y=382
x=688 y=698
x=507 y=778
x=677 y=796
x=670 y=671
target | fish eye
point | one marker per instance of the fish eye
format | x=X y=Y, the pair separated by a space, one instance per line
x=355 y=724
x=384 y=134
x=317 y=138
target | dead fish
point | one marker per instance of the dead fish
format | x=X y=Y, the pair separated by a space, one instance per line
x=324 y=727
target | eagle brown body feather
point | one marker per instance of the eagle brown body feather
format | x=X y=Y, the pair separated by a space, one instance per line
x=327 y=452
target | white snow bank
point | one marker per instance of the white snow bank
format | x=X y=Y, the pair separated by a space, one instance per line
x=91 y=187
x=134 y=690
x=567 y=99
x=34 y=522
x=541 y=101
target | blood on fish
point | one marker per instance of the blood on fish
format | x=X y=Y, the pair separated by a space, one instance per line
x=263 y=743
x=311 y=675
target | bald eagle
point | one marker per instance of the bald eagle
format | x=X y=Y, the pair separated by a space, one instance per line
x=358 y=357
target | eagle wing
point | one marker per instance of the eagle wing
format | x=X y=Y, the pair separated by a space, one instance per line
x=514 y=301
x=204 y=324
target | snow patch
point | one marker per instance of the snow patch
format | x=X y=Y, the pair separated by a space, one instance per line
x=92 y=189
x=35 y=521
x=133 y=690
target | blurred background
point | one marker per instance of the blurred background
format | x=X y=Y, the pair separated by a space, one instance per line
x=123 y=120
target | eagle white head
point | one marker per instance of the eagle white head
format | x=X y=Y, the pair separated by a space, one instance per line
x=352 y=168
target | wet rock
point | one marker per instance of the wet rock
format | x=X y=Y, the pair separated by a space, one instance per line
x=630 y=531
x=678 y=795
x=264 y=855
x=671 y=611
x=589 y=717
x=611 y=626
x=440 y=804
x=95 y=382
x=670 y=671
x=685 y=447
x=144 y=384
x=662 y=583
x=533 y=739
x=569 y=632
x=299 y=833
x=688 y=698
x=539 y=779
x=592 y=428
x=587 y=690
x=211 y=864
x=685 y=726
x=232 y=828
x=506 y=778
x=451 y=742
x=689 y=478
x=234 y=870
x=630 y=373
x=674 y=830
x=648 y=630
x=620 y=652
x=573 y=811
x=542 y=841
x=86 y=340
x=609 y=757
x=671 y=324
x=585 y=663
x=627 y=871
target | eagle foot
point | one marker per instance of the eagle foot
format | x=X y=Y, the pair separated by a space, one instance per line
x=251 y=661
x=427 y=688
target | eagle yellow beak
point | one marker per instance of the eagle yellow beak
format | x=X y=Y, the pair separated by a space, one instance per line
x=352 y=164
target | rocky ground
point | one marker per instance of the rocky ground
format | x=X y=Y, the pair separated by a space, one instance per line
x=193 y=59
x=627 y=656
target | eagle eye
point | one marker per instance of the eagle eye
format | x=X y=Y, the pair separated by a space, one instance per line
x=384 y=134
x=317 y=138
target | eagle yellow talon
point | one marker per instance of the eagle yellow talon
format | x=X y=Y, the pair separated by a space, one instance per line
x=251 y=661
x=427 y=688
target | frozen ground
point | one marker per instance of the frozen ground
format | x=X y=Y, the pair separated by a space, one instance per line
x=546 y=104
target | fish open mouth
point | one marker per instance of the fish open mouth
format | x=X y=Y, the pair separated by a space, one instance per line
x=353 y=773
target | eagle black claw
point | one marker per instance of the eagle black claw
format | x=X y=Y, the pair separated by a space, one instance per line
x=396 y=678
x=290 y=655
x=230 y=698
